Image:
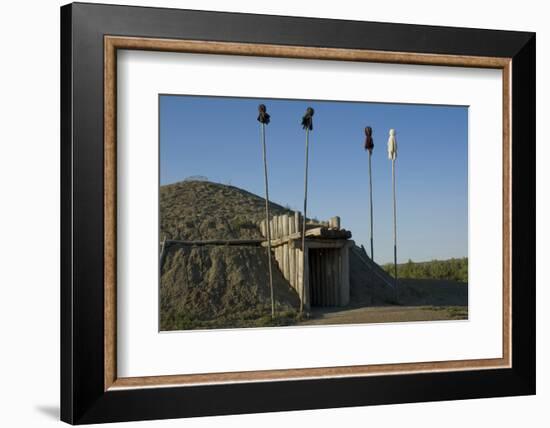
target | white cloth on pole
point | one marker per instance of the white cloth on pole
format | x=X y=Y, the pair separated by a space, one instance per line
x=392 y=145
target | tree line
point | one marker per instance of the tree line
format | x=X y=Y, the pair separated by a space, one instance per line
x=452 y=269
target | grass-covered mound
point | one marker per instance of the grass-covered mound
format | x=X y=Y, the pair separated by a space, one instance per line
x=217 y=286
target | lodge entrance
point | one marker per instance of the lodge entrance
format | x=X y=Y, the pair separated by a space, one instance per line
x=324 y=279
x=324 y=276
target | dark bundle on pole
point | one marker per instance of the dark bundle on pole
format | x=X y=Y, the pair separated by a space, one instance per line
x=369 y=145
x=307 y=119
x=369 y=142
x=307 y=124
x=264 y=118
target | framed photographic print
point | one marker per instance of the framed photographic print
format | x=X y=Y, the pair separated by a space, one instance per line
x=265 y=213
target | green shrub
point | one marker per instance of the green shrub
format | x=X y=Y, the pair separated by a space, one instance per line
x=452 y=269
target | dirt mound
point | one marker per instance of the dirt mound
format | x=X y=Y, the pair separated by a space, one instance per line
x=195 y=210
x=220 y=286
x=369 y=284
x=217 y=286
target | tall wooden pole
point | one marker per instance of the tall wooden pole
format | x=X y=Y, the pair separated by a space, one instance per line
x=369 y=145
x=392 y=155
x=371 y=217
x=304 y=226
x=267 y=223
x=307 y=124
x=394 y=222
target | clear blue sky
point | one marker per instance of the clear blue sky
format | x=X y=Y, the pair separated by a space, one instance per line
x=219 y=138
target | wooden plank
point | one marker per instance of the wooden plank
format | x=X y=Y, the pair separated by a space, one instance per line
x=315 y=256
x=290 y=250
x=320 y=277
x=333 y=243
x=307 y=290
x=330 y=279
x=334 y=222
x=323 y=279
x=319 y=288
x=294 y=280
x=286 y=268
x=284 y=229
x=251 y=242
x=300 y=283
x=291 y=265
x=312 y=278
x=327 y=236
x=337 y=264
x=283 y=267
x=323 y=232
x=297 y=256
x=345 y=285
x=263 y=228
x=328 y=268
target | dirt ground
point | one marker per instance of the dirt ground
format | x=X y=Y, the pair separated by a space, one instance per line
x=384 y=314
x=419 y=300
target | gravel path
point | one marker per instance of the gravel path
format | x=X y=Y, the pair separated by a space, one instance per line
x=383 y=314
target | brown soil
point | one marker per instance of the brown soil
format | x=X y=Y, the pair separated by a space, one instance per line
x=217 y=286
x=386 y=314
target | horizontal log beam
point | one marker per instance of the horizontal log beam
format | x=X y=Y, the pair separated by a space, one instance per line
x=250 y=242
x=323 y=232
x=318 y=232
x=324 y=243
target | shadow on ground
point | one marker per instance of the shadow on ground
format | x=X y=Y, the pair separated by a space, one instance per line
x=51 y=411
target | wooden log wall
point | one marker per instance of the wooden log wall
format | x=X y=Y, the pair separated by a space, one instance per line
x=288 y=257
x=325 y=276
x=327 y=263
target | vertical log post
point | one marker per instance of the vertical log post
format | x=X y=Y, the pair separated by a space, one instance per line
x=344 y=275
x=371 y=216
x=392 y=154
x=284 y=226
x=291 y=253
x=394 y=224
x=304 y=255
x=262 y=129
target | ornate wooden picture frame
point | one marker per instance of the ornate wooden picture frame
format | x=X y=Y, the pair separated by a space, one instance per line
x=91 y=389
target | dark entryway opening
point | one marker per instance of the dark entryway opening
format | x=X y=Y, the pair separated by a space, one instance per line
x=324 y=276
